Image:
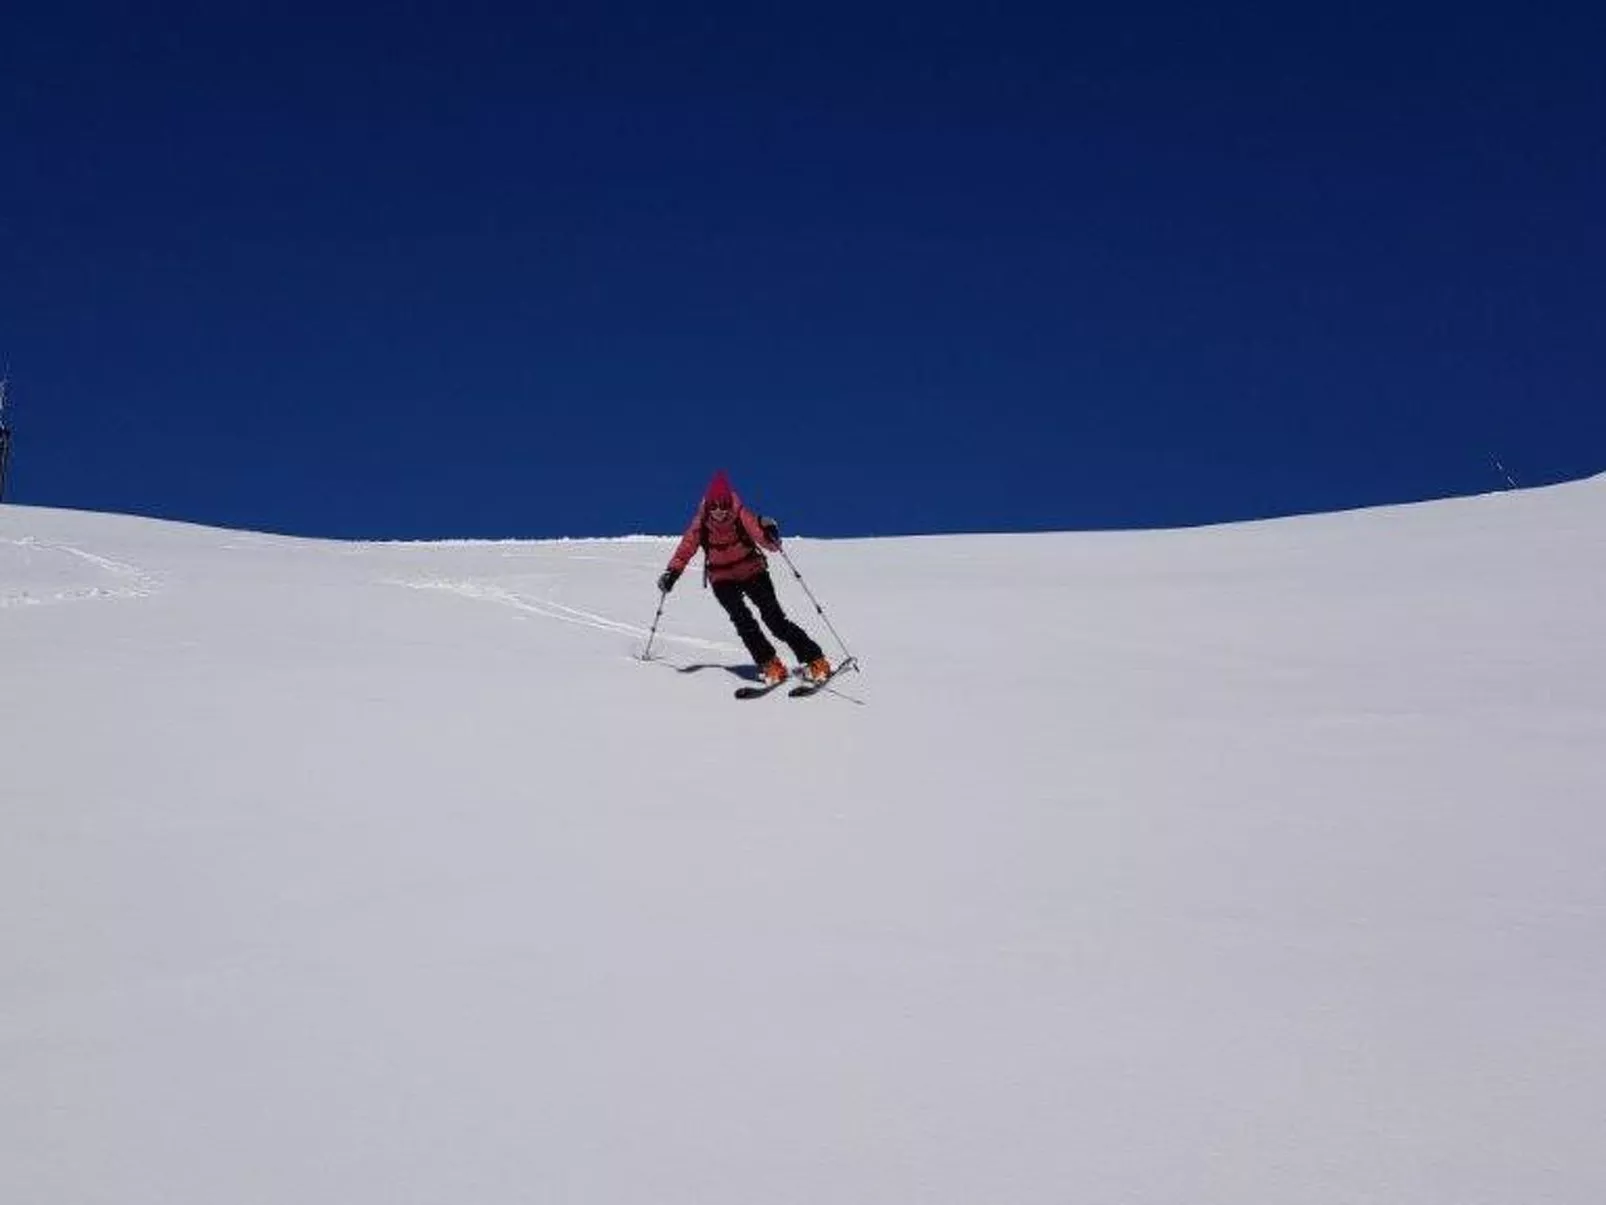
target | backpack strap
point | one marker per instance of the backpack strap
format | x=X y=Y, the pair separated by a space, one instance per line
x=741 y=534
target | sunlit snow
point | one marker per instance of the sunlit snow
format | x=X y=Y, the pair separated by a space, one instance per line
x=1251 y=864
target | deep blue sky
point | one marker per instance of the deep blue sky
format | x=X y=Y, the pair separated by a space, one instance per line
x=537 y=269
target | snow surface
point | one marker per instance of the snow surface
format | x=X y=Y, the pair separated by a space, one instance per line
x=1262 y=863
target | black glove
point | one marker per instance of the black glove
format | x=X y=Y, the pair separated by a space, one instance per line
x=770 y=528
x=667 y=580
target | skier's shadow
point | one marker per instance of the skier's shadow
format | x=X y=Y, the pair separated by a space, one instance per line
x=747 y=673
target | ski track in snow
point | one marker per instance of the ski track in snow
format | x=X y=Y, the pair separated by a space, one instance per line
x=483 y=591
x=131 y=581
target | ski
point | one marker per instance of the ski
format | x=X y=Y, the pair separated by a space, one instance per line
x=758 y=692
x=813 y=688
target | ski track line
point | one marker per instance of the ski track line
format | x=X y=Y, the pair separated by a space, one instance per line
x=140 y=583
x=547 y=609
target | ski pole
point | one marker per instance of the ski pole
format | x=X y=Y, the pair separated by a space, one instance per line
x=646 y=653
x=849 y=657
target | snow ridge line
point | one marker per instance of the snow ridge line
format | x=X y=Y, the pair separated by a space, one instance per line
x=139 y=583
x=546 y=608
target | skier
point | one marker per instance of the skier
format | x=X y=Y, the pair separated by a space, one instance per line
x=733 y=540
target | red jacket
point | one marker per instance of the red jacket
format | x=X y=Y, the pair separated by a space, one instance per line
x=732 y=551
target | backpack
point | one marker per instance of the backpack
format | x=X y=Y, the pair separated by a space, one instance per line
x=741 y=534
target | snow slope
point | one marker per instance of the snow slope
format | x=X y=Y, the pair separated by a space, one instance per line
x=1259 y=863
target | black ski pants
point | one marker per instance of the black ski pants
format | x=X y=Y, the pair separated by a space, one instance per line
x=733 y=597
